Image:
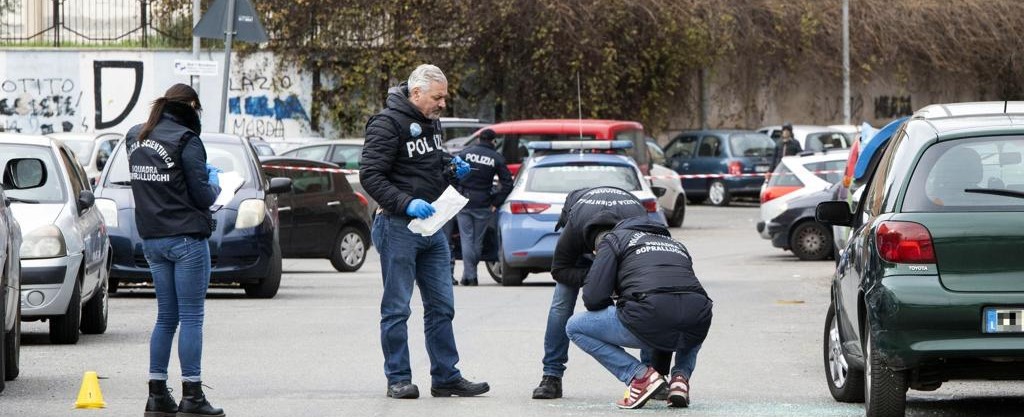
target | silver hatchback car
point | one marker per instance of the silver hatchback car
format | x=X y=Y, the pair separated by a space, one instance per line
x=65 y=251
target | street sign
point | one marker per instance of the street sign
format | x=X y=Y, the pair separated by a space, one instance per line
x=247 y=26
x=191 y=67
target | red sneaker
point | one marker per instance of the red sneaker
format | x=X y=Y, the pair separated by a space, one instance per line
x=679 y=392
x=641 y=389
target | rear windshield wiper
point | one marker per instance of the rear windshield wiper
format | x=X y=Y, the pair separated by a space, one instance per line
x=996 y=191
x=22 y=200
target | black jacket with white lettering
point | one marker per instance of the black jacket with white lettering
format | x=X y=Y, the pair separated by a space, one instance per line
x=584 y=210
x=478 y=186
x=402 y=157
x=659 y=298
x=165 y=205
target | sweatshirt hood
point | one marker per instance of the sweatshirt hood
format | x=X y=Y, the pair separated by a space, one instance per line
x=398 y=100
x=643 y=224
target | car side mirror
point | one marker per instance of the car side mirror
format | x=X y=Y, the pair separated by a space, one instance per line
x=659 y=191
x=280 y=185
x=834 y=213
x=85 y=200
x=24 y=173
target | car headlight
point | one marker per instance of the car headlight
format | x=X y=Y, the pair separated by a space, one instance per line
x=44 y=242
x=250 y=213
x=108 y=209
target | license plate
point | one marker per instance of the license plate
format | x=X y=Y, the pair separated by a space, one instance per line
x=1003 y=320
x=761 y=168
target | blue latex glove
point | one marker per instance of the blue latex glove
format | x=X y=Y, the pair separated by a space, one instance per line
x=419 y=209
x=211 y=172
x=462 y=168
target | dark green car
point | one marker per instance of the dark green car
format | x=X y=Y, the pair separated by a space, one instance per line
x=930 y=287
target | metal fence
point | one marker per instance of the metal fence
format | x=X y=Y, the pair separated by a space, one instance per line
x=114 y=23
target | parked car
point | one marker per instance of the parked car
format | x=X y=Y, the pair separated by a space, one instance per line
x=456 y=145
x=673 y=202
x=928 y=288
x=65 y=250
x=91 y=149
x=813 y=138
x=512 y=137
x=261 y=146
x=321 y=217
x=345 y=153
x=788 y=200
x=18 y=175
x=724 y=163
x=456 y=127
x=245 y=247
x=526 y=221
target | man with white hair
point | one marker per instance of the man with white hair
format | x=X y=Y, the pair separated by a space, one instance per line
x=403 y=167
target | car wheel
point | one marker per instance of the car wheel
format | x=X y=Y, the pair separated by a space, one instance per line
x=885 y=391
x=94 y=313
x=510 y=277
x=494 y=269
x=678 y=213
x=12 y=349
x=64 y=329
x=267 y=288
x=845 y=384
x=718 y=193
x=349 y=250
x=811 y=241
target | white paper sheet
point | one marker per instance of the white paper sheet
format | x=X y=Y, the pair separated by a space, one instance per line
x=446 y=207
x=230 y=183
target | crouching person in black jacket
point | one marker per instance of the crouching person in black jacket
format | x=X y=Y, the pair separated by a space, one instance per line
x=641 y=292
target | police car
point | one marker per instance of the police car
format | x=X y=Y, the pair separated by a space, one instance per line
x=526 y=222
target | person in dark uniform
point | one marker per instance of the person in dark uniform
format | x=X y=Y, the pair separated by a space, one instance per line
x=584 y=209
x=403 y=167
x=173 y=188
x=641 y=292
x=786 y=146
x=484 y=199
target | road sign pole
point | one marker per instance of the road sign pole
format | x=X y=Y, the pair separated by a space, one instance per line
x=229 y=32
x=196 y=13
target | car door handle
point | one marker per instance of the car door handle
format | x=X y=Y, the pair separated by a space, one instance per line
x=333 y=203
x=286 y=208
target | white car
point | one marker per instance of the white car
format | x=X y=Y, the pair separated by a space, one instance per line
x=812 y=138
x=91 y=149
x=797 y=176
x=673 y=202
x=65 y=251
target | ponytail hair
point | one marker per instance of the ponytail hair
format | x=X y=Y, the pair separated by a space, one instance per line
x=178 y=93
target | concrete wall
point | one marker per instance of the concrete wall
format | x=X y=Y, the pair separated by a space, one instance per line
x=61 y=90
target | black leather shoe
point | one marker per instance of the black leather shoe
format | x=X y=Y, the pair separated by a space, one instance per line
x=468 y=282
x=160 y=402
x=460 y=388
x=194 y=403
x=403 y=390
x=550 y=388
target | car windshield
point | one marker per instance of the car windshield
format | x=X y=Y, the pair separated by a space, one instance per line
x=82 y=149
x=50 y=192
x=983 y=174
x=825 y=140
x=751 y=144
x=347 y=156
x=565 y=178
x=229 y=157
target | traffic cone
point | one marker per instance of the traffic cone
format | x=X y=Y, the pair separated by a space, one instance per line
x=89 y=396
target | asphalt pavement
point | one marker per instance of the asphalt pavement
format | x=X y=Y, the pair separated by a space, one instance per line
x=314 y=349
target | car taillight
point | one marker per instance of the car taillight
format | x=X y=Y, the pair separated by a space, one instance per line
x=362 y=199
x=650 y=205
x=735 y=168
x=771 y=193
x=526 y=207
x=904 y=243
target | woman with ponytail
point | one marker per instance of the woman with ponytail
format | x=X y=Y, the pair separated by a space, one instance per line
x=174 y=187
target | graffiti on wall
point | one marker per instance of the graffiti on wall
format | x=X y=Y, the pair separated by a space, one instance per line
x=40 y=104
x=265 y=104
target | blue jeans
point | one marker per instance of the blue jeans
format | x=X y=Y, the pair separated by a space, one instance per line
x=407 y=258
x=180 y=266
x=556 y=342
x=603 y=336
x=472 y=226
